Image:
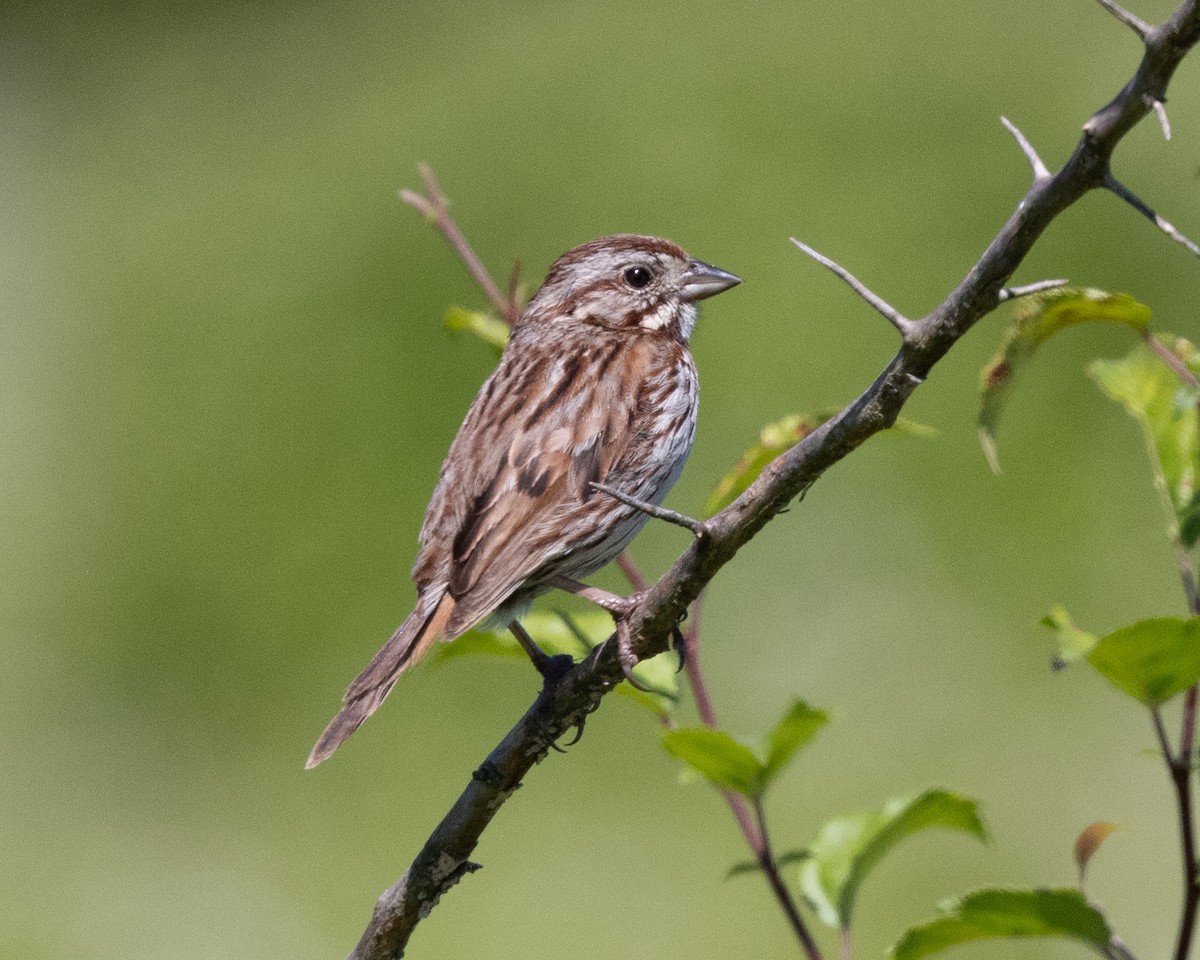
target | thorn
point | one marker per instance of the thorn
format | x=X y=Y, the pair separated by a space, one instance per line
x=914 y=379
x=1115 y=185
x=889 y=313
x=1160 y=111
x=1134 y=23
x=1011 y=293
x=578 y=733
x=698 y=527
x=1039 y=168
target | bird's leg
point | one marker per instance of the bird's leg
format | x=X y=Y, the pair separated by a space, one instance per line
x=551 y=668
x=620 y=608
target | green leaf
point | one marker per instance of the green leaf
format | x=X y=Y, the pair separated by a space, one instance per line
x=773 y=440
x=848 y=848
x=1152 y=660
x=1166 y=411
x=776 y=438
x=577 y=635
x=550 y=630
x=717 y=757
x=1073 y=643
x=795 y=730
x=1036 y=319
x=490 y=329
x=992 y=914
x=753 y=866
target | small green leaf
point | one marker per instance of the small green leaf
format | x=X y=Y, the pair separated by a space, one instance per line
x=1152 y=660
x=488 y=328
x=475 y=642
x=993 y=914
x=1073 y=643
x=848 y=848
x=753 y=866
x=575 y=634
x=719 y=758
x=776 y=438
x=1037 y=318
x=795 y=730
x=1166 y=411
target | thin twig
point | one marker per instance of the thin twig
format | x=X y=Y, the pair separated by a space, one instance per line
x=766 y=859
x=1012 y=293
x=1115 y=185
x=1040 y=171
x=752 y=826
x=1134 y=23
x=652 y=510
x=636 y=578
x=1179 y=766
x=1180 y=369
x=436 y=209
x=890 y=313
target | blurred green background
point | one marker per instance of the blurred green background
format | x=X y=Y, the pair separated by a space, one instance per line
x=225 y=392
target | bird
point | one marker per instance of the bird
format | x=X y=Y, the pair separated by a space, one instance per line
x=595 y=386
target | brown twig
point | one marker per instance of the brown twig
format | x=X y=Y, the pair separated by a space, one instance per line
x=752 y=825
x=444 y=859
x=1180 y=764
x=435 y=208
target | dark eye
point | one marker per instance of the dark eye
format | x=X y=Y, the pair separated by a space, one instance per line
x=638 y=277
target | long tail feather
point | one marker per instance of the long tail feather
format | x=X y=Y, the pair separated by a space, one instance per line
x=408 y=644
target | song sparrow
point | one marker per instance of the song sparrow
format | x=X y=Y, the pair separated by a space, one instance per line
x=596 y=385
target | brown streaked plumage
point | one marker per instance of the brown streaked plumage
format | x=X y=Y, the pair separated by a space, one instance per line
x=596 y=385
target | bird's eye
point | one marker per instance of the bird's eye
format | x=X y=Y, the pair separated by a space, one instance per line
x=638 y=277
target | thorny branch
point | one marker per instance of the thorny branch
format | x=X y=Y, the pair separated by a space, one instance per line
x=445 y=857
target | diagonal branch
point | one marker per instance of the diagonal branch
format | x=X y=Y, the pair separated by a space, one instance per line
x=445 y=857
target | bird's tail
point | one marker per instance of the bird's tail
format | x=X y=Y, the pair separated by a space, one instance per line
x=408 y=644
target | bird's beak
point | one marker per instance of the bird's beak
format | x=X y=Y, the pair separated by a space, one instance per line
x=702 y=280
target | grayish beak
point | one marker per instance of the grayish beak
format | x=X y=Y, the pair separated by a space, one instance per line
x=702 y=280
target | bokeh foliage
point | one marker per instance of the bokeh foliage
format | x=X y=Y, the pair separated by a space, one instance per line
x=226 y=389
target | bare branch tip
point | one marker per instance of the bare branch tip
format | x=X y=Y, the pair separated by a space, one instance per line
x=1012 y=293
x=1113 y=184
x=418 y=203
x=1160 y=111
x=698 y=527
x=1040 y=172
x=881 y=306
x=1133 y=22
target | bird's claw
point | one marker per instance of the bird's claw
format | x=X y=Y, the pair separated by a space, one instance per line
x=627 y=657
x=679 y=645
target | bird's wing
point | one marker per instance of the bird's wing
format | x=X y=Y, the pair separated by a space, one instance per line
x=514 y=491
